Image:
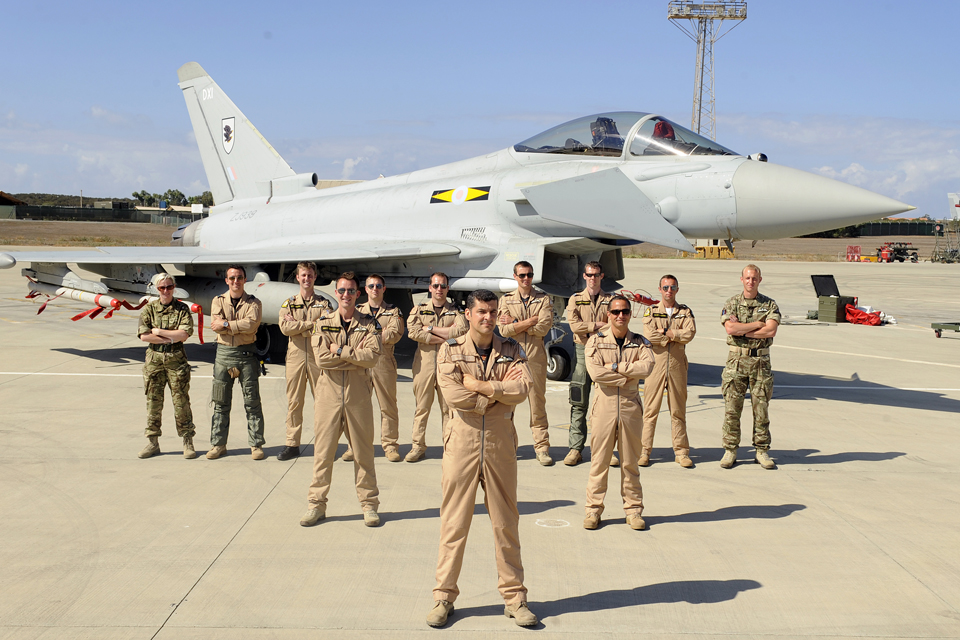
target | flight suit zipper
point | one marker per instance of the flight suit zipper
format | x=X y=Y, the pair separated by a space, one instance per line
x=483 y=418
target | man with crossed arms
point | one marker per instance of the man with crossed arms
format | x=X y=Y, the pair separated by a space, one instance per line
x=385 y=371
x=431 y=323
x=526 y=316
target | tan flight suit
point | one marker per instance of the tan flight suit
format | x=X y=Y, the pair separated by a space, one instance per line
x=582 y=312
x=480 y=448
x=385 y=371
x=343 y=403
x=301 y=364
x=425 y=361
x=670 y=371
x=617 y=416
x=538 y=305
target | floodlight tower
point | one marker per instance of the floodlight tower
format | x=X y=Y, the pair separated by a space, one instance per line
x=706 y=20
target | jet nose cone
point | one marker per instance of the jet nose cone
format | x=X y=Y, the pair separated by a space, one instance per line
x=775 y=202
x=7 y=261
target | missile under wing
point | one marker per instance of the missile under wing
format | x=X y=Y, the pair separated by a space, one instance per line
x=577 y=192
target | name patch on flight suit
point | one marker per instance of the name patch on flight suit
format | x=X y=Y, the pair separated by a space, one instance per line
x=426 y=312
x=581 y=302
x=660 y=315
x=331 y=329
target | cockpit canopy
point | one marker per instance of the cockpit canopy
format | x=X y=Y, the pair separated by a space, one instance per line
x=604 y=135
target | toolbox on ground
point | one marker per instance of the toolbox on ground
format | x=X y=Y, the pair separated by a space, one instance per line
x=832 y=307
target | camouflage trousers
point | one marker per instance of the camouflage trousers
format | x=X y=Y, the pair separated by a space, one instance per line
x=741 y=373
x=173 y=370
x=245 y=360
x=580 y=383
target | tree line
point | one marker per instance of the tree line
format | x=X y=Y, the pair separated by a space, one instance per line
x=173 y=198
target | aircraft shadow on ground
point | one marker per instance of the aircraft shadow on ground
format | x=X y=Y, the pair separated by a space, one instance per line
x=691 y=591
x=806 y=386
x=130 y=355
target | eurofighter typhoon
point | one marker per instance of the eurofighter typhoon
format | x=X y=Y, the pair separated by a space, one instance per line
x=574 y=193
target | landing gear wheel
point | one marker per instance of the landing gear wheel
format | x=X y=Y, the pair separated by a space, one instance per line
x=937 y=332
x=558 y=364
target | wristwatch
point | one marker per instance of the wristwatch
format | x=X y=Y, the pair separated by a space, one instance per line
x=226 y=324
x=614 y=366
x=339 y=351
x=430 y=329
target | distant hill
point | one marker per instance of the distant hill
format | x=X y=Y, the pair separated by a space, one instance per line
x=56 y=200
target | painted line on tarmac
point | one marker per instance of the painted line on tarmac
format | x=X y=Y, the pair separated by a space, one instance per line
x=857 y=355
x=106 y=375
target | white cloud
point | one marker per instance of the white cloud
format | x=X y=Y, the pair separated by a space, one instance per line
x=123 y=120
x=21 y=170
x=348 y=167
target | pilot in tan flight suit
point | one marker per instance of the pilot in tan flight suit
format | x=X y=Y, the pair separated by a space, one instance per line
x=669 y=326
x=385 y=371
x=297 y=316
x=526 y=316
x=483 y=377
x=347 y=345
x=430 y=324
x=617 y=360
x=586 y=313
x=235 y=316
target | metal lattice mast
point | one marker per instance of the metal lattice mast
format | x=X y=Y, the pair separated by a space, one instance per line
x=707 y=20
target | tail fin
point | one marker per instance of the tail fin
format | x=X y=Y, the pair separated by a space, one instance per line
x=954 y=205
x=234 y=154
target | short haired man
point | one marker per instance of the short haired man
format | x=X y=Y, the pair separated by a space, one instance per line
x=235 y=317
x=617 y=360
x=298 y=314
x=347 y=345
x=586 y=313
x=669 y=326
x=483 y=377
x=165 y=324
x=526 y=315
x=431 y=323
x=751 y=320
x=385 y=371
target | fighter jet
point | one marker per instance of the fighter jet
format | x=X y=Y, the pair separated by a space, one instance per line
x=577 y=192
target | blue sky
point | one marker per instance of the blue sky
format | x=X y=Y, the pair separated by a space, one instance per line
x=865 y=92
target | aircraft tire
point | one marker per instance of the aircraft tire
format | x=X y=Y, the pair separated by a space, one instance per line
x=558 y=364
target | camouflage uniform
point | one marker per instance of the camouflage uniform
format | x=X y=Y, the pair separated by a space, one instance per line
x=166 y=364
x=748 y=366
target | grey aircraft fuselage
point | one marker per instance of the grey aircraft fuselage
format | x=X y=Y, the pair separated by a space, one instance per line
x=575 y=193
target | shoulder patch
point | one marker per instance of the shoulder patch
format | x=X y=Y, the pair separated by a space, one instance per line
x=646 y=313
x=600 y=334
x=452 y=341
x=286 y=303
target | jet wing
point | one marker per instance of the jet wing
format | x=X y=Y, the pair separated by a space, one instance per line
x=605 y=201
x=357 y=250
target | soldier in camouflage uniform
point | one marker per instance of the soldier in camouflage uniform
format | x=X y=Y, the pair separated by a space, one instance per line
x=751 y=320
x=165 y=324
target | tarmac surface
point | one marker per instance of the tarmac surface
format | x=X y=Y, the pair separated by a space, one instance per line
x=854 y=534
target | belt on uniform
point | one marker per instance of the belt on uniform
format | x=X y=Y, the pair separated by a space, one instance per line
x=746 y=351
x=464 y=414
x=167 y=348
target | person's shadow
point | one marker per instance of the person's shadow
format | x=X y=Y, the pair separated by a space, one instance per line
x=691 y=591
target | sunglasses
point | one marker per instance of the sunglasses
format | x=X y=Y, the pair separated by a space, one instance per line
x=525 y=275
x=669 y=287
x=592 y=275
x=620 y=312
x=438 y=286
x=349 y=292
x=169 y=287
x=375 y=286
x=236 y=278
